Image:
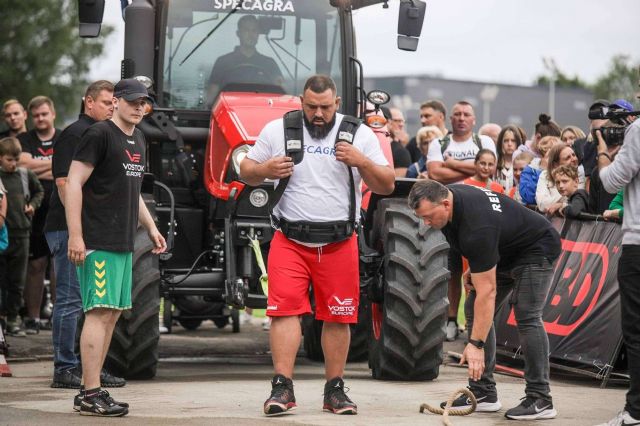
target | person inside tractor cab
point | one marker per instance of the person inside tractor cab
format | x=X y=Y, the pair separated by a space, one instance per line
x=244 y=65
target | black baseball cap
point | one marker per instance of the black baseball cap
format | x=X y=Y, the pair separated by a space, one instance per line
x=131 y=89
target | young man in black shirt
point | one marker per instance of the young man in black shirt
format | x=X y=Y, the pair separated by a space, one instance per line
x=37 y=151
x=103 y=206
x=510 y=250
x=15 y=117
x=98 y=106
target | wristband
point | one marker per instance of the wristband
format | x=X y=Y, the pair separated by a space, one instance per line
x=477 y=343
x=605 y=154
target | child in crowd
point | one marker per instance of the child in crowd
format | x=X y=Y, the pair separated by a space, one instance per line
x=566 y=180
x=519 y=164
x=423 y=138
x=24 y=195
x=508 y=142
x=548 y=199
x=485 y=163
x=531 y=173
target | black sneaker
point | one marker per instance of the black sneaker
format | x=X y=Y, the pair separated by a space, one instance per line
x=108 y=380
x=68 y=379
x=77 y=400
x=335 y=398
x=99 y=405
x=282 y=398
x=487 y=403
x=31 y=326
x=532 y=409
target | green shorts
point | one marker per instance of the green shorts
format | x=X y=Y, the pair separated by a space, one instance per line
x=105 y=280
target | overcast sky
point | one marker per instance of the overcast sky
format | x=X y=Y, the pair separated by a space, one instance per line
x=500 y=41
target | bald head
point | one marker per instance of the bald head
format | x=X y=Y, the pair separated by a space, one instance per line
x=490 y=129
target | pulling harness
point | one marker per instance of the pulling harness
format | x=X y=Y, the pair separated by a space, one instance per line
x=305 y=231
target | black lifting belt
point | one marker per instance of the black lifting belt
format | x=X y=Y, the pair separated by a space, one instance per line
x=314 y=232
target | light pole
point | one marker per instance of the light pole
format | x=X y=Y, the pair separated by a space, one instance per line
x=488 y=95
x=551 y=66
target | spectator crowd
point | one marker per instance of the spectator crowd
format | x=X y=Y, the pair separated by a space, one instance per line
x=554 y=170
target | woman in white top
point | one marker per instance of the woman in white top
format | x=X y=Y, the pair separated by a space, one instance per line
x=548 y=198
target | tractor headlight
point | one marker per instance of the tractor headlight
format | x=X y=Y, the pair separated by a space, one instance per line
x=258 y=197
x=238 y=155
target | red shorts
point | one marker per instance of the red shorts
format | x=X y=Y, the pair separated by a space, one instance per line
x=333 y=270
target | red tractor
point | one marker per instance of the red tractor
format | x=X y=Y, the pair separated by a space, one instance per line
x=210 y=108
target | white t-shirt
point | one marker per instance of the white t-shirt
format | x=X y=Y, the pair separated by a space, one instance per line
x=462 y=151
x=318 y=190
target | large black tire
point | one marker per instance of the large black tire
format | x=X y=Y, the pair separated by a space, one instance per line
x=408 y=328
x=133 y=353
x=359 y=346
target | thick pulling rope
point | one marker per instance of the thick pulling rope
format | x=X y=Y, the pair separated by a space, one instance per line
x=448 y=411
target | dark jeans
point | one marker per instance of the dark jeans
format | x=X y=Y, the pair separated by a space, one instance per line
x=528 y=285
x=68 y=306
x=629 y=283
x=15 y=260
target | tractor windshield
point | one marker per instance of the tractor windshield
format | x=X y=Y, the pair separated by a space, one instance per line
x=251 y=45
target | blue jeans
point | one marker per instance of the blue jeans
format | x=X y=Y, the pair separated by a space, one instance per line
x=68 y=306
x=525 y=287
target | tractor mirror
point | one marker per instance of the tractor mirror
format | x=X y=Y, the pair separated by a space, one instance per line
x=90 y=14
x=410 y=19
x=378 y=97
x=268 y=23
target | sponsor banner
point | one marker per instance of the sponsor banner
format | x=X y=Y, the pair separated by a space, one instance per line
x=271 y=6
x=582 y=312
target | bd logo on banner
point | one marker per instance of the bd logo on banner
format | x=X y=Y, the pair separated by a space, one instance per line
x=582 y=312
x=579 y=277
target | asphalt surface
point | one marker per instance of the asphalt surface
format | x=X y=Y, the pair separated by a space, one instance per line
x=215 y=377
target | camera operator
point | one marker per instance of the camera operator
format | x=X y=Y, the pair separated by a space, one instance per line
x=615 y=175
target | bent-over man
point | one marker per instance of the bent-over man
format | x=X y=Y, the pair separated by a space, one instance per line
x=510 y=250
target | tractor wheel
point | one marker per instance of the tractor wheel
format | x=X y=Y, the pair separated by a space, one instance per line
x=408 y=328
x=133 y=353
x=358 y=349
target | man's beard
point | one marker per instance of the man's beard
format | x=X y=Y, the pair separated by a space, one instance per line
x=319 y=131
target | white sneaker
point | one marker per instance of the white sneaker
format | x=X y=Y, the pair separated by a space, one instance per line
x=163 y=329
x=245 y=318
x=266 y=324
x=622 y=419
x=452 y=331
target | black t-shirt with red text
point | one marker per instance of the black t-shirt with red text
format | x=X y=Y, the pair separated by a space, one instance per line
x=40 y=150
x=492 y=229
x=111 y=194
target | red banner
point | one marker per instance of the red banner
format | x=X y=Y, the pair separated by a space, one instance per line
x=582 y=312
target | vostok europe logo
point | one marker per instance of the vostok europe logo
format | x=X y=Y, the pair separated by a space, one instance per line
x=343 y=307
x=134 y=158
x=132 y=169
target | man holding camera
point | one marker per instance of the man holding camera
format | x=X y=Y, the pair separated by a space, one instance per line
x=615 y=175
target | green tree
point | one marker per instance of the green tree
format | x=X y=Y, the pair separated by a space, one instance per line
x=563 y=80
x=42 y=53
x=620 y=81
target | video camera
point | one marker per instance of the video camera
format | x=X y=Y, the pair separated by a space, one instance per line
x=619 y=118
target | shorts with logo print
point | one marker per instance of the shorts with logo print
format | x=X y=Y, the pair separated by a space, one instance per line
x=105 y=280
x=332 y=270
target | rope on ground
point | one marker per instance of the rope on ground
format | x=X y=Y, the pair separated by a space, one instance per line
x=448 y=411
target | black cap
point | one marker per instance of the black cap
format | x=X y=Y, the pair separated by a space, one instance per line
x=131 y=89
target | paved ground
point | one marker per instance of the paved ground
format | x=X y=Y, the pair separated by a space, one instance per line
x=214 y=377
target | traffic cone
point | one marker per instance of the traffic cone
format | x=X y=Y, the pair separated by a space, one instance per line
x=5 y=371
